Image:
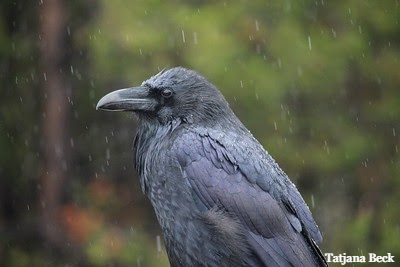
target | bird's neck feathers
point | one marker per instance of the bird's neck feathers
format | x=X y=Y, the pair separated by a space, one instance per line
x=152 y=132
x=149 y=137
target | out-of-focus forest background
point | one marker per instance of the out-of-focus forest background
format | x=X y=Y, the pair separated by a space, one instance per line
x=317 y=82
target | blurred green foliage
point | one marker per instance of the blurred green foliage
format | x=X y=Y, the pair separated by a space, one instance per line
x=317 y=82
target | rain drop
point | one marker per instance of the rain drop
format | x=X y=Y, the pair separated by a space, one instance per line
x=333 y=33
x=72 y=143
x=326 y=147
x=158 y=240
x=312 y=201
x=299 y=71
x=183 y=36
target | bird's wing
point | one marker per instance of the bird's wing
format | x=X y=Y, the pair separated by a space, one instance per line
x=238 y=176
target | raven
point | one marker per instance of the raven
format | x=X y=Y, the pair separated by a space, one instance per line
x=220 y=198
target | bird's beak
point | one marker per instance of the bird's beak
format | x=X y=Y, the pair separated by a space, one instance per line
x=128 y=99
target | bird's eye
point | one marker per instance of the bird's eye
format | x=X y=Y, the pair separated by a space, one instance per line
x=166 y=93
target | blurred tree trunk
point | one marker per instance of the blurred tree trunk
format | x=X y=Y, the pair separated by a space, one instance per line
x=55 y=110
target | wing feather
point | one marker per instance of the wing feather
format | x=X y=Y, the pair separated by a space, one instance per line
x=280 y=228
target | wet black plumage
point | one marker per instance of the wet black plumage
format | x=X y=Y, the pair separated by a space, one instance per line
x=220 y=198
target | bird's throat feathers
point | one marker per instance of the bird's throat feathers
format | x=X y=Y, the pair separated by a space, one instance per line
x=148 y=139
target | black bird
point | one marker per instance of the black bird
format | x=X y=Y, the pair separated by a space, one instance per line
x=220 y=198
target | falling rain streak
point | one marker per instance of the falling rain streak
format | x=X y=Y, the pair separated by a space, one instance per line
x=312 y=201
x=158 y=240
x=183 y=36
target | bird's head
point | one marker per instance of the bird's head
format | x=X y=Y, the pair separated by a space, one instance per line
x=174 y=94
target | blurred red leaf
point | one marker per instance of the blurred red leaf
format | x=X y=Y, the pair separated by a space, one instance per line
x=79 y=223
